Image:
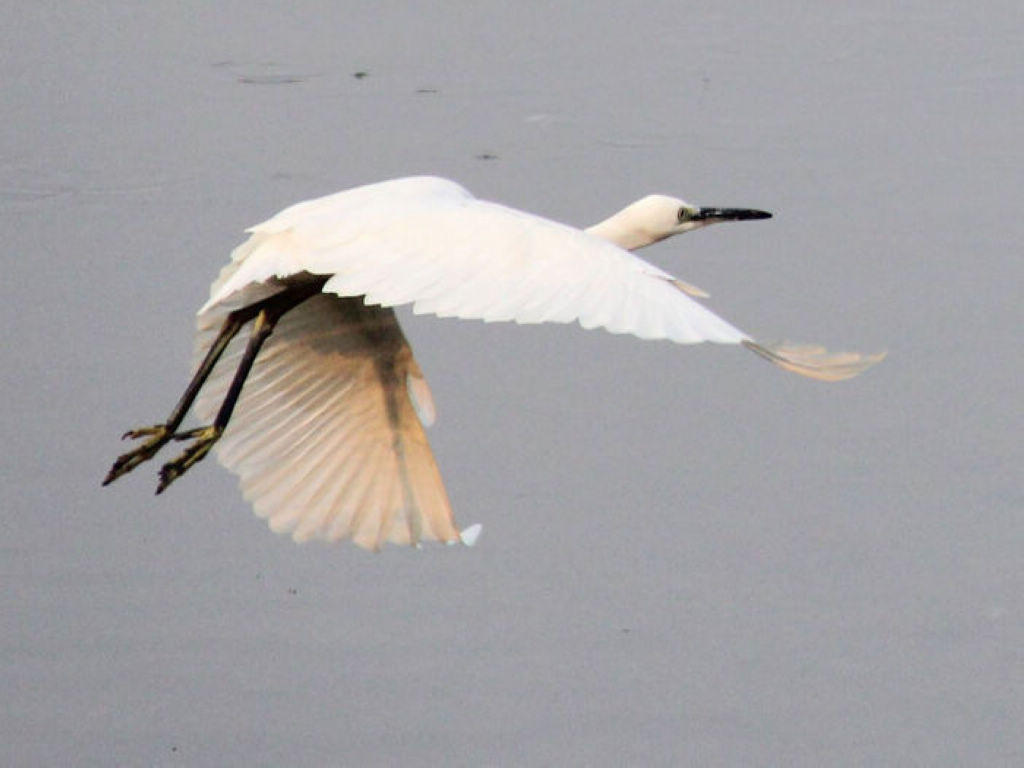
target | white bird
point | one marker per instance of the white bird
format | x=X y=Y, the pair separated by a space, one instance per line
x=327 y=433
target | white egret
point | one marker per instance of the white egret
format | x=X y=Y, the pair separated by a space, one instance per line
x=327 y=433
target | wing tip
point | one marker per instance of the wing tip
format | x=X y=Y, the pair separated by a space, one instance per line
x=470 y=534
x=815 y=362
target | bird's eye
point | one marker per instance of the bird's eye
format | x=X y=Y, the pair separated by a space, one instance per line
x=683 y=215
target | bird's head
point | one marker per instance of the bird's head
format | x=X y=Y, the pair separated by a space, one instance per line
x=655 y=217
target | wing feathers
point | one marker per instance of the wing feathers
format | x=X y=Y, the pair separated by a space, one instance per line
x=325 y=437
x=429 y=244
x=815 y=361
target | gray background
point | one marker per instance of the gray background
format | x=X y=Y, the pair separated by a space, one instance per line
x=688 y=556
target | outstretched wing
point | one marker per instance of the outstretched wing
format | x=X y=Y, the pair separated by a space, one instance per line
x=327 y=437
x=327 y=434
x=429 y=243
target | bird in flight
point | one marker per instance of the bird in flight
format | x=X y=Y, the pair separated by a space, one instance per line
x=319 y=406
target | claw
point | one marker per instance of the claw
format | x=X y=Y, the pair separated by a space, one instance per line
x=158 y=436
x=135 y=434
x=204 y=437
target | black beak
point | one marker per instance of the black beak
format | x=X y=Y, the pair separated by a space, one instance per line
x=711 y=215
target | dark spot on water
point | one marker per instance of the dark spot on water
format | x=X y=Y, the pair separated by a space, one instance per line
x=486 y=156
x=270 y=79
x=360 y=74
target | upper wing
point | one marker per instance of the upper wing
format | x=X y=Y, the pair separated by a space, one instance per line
x=326 y=436
x=429 y=243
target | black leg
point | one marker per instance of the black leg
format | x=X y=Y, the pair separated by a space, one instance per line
x=160 y=434
x=203 y=438
x=267 y=313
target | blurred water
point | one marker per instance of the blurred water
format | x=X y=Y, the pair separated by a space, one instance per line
x=688 y=557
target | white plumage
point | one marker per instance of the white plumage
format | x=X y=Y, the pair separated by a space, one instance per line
x=428 y=242
x=327 y=435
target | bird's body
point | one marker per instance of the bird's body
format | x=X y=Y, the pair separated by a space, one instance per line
x=327 y=433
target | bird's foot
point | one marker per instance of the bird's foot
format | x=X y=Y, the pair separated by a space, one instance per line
x=203 y=439
x=159 y=435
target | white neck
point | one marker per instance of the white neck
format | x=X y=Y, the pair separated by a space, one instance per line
x=623 y=231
